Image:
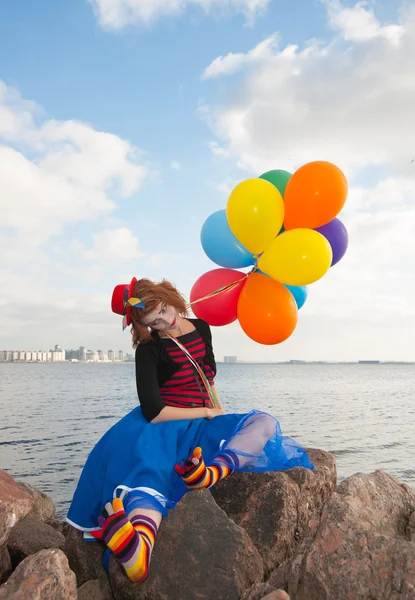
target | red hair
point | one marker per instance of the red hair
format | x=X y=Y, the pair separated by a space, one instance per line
x=152 y=294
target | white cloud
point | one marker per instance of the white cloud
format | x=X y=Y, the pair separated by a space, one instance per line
x=360 y=24
x=58 y=172
x=57 y=177
x=159 y=259
x=351 y=102
x=113 y=245
x=233 y=62
x=218 y=150
x=115 y=14
x=348 y=100
x=36 y=202
x=175 y=165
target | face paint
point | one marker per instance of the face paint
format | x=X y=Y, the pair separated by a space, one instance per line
x=162 y=318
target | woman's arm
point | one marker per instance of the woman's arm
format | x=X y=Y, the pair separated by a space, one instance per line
x=170 y=413
x=146 y=358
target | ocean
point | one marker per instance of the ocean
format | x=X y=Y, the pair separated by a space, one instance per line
x=53 y=414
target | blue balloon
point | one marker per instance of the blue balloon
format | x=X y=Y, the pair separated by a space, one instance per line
x=299 y=292
x=221 y=246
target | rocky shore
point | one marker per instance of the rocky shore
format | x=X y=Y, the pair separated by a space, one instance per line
x=271 y=536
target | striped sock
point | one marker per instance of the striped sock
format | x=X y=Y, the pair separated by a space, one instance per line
x=130 y=542
x=196 y=475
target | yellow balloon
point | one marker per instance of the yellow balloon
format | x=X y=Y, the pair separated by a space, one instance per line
x=297 y=257
x=255 y=213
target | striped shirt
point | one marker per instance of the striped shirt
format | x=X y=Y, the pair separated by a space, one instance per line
x=185 y=389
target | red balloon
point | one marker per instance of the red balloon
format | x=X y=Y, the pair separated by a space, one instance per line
x=220 y=309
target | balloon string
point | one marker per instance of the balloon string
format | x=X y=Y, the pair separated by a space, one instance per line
x=220 y=290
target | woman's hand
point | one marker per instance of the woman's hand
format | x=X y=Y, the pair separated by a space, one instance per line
x=214 y=412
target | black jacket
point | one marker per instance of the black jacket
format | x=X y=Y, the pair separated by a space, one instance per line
x=154 y=366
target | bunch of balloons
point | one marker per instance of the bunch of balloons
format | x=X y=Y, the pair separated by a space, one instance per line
x=284 y=227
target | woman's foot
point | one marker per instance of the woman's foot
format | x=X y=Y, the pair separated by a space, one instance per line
x=196 y=475
x=131 y=544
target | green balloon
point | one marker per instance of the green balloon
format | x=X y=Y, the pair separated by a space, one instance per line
x=278 y=178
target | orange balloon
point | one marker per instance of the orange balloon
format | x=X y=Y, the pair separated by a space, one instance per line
x=267 y=311
x=314 y=195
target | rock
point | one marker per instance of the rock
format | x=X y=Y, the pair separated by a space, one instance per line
x=199 y=553
x=289 y=571
x=5 y=563
x=276 y=582
x=277 y=595
x=362 y=548
x=91 y=590
x=43 y=507
x=411 y=528
x=85 y=558
x=42 y=576
x=29 y=536
x=15 y=503
x=275 y=508
x=61 y=526
x=258 y=591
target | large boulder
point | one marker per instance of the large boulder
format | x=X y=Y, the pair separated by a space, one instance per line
x=85 y=558
x=363 y=547
x=15 y=503
x=91 y=590
x=29 y=536
x=42 y=576
x=5 y=563
x=275 y=508
x=43 y=508
x=199 y=553
x=61 y=526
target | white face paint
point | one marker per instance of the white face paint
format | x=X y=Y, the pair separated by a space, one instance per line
x=162 y=318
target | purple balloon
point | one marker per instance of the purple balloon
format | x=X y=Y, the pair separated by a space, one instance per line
x=336 y=234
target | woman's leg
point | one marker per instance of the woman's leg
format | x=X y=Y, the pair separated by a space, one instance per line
x=250 y=441
x=243 y=448
x=130 y=537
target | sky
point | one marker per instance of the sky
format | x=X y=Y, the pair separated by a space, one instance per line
x=125 y=123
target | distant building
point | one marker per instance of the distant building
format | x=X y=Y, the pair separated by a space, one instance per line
x=369 y=362
x=82 y=353
x=121 y=356
x=31 y=356
x=230 y=360
x=111 y=355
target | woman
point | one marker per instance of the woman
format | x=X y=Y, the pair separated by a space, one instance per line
x=147 y=461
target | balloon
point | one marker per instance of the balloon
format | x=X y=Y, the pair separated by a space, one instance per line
x=314 y=195
x=300 y=294
x=278 y=178
x=336 y=233
x=255 y=213
x=221 y=245
x=297 y=257
x=220 y=309
x=267 y=312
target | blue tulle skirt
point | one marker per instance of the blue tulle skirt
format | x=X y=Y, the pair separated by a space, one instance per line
x=136 y=459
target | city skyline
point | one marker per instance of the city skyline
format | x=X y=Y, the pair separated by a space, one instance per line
x=82 y=354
